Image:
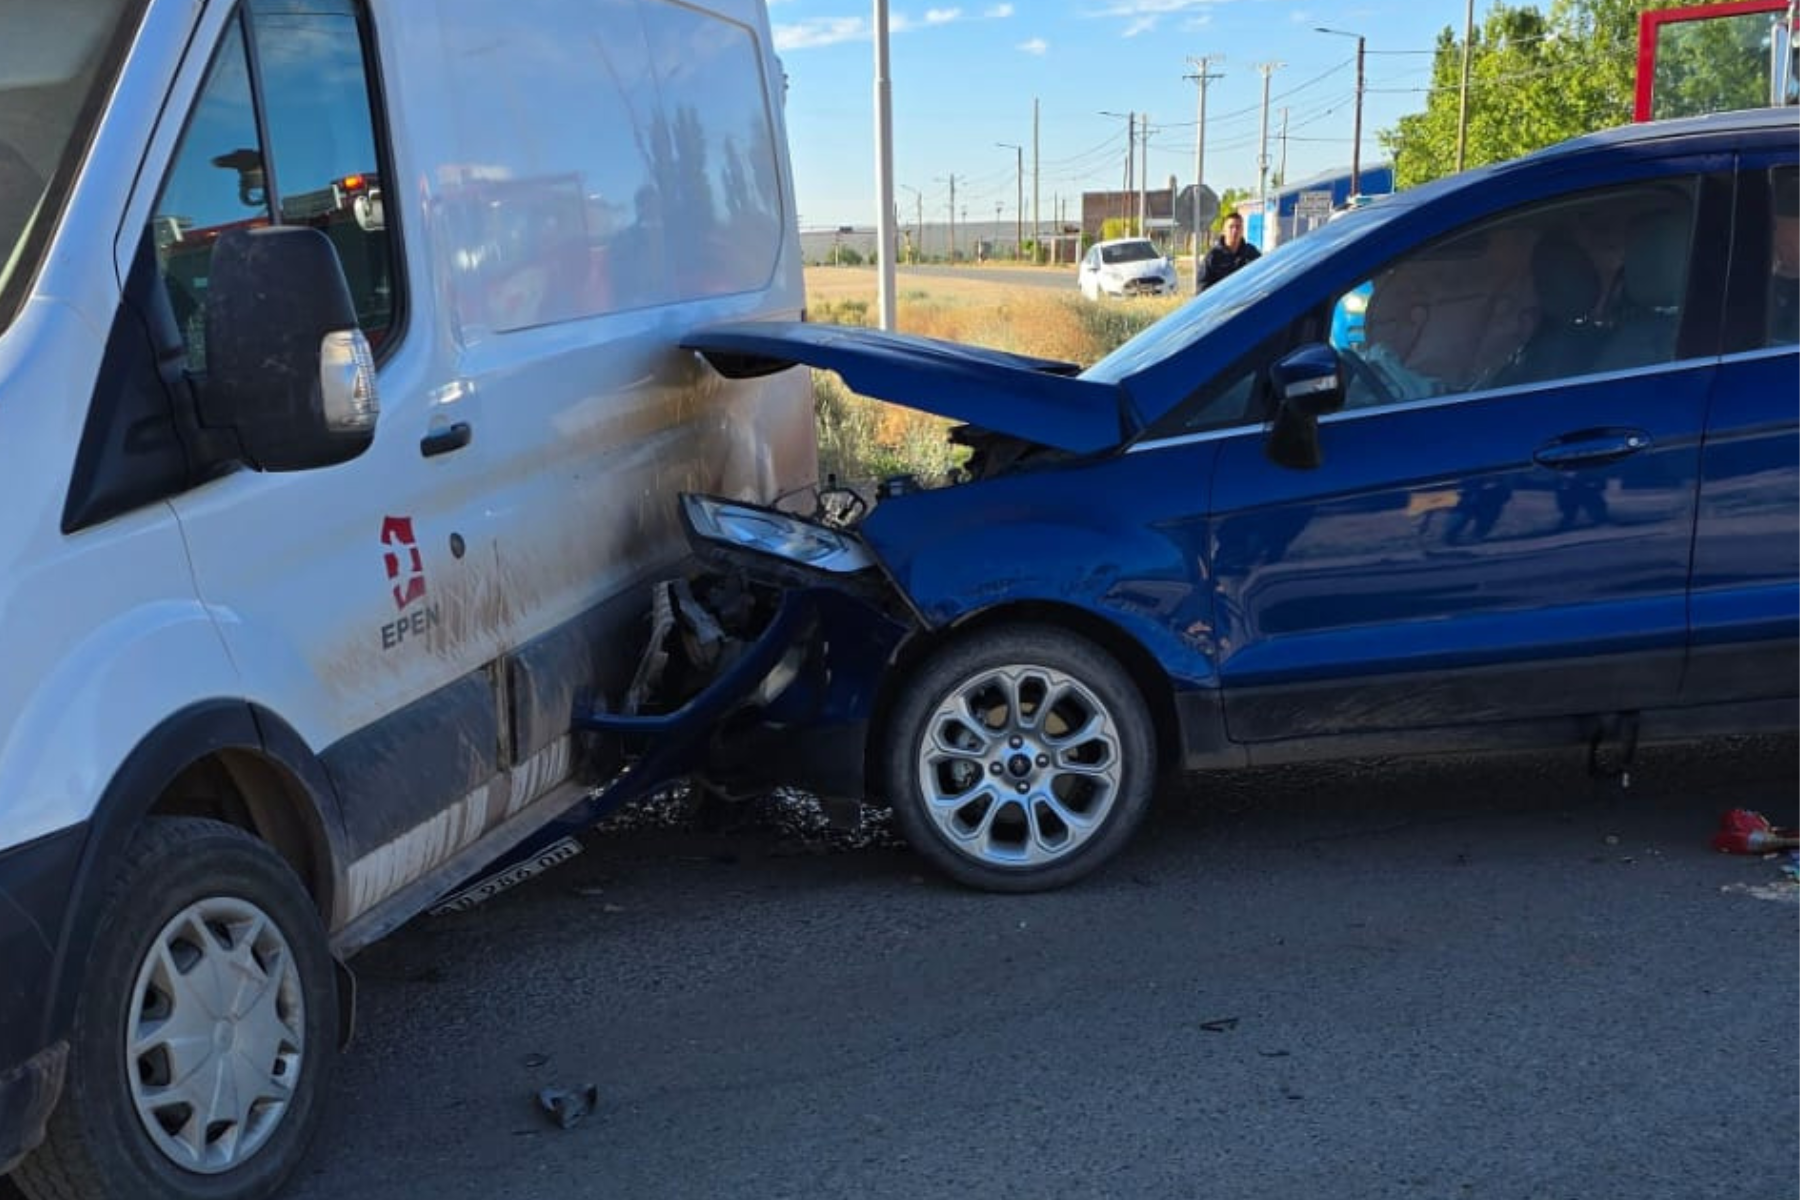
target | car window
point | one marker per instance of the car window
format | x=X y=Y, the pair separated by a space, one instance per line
x=316 y=102
x=1128 y=252
x=325 y=170
x=1580 y=285
x=1784 y=268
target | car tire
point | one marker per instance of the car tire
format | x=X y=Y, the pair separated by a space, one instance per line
x=193 y=896
x=1019 y=759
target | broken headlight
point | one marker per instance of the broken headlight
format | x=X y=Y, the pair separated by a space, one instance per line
x=777 y=534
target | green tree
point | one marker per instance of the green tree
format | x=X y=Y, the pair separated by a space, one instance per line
x=1539 y=76
x=1228 y=204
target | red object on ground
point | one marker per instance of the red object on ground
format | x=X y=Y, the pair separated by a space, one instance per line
x=1744 y=832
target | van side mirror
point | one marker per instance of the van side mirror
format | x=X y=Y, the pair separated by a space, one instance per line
x=1307 y=384
x=287 y=369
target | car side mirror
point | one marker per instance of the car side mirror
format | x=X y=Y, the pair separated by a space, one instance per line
x=287 y=369
x=1308 y=383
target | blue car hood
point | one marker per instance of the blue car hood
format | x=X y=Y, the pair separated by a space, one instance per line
x=1036 y=399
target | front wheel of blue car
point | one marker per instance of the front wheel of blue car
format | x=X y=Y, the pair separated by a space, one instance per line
x=1020 y=759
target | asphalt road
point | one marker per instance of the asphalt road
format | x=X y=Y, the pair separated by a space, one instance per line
x=1436 y=980
x=1480 y=979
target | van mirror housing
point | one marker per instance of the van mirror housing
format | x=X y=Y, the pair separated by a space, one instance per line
x=287 y=369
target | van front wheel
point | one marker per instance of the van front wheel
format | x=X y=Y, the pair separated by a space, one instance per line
x=204 y=1029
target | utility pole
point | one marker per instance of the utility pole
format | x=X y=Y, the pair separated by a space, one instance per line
x=884 y=167
x=918 y=241
x=1019 y=212
x=1281 y=171
x=1202 y=77
x=1462 y=104
x=1144 y=182
x=953 y=220
x=1130 y=163
x=1262 y=154
x=1037 y=224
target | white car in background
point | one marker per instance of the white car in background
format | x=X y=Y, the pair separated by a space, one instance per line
x=1126 y=267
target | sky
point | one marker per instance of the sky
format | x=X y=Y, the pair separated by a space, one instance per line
x=965 y=74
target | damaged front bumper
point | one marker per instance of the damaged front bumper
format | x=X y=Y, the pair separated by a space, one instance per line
x=761 y=672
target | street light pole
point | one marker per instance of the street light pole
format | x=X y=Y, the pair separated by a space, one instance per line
x=884 y=167
x=1356 y=145
x=1019 y=212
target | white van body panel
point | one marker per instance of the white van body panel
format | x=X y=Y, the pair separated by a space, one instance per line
x=583 y=429
x=113 y=638
x=273 y=589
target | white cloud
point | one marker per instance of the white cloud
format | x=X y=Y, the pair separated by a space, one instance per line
x=1142 y=16
x=813 y=32
x=820 y=31
x=1036 y=45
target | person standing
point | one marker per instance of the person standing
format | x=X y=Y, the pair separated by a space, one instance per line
x=1230 y=253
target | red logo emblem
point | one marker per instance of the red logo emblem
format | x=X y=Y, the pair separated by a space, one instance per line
x=404 y=566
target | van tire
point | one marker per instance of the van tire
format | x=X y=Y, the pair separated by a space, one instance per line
x=1062 y=803
x=189 y=890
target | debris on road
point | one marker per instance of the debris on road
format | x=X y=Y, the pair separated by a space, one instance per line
x=567 y=1106
x=1742 y=831
x=1220 y=1025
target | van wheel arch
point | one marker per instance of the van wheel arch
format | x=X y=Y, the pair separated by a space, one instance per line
x=223 y=760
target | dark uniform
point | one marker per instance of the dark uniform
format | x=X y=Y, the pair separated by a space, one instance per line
x=1221 y=261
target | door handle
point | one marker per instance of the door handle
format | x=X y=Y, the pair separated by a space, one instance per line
x=1591 y=448
x=443 y=441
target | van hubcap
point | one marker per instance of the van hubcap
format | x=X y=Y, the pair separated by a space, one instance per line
x=216 y=1035
x=1020 y=765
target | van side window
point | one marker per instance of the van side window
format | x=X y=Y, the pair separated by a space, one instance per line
x=1589 y=284
x=668 y=189
x=311 y=82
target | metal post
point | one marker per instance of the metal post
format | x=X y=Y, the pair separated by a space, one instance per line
x=884 y=167
x=1462 y=104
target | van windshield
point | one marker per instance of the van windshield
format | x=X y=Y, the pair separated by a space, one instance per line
x=56 y=63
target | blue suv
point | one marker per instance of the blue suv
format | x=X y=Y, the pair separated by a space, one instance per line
x=1508 y=460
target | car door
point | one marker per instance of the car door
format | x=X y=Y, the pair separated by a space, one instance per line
x=1746 y=586
x=1501 y=525
x=351 y=599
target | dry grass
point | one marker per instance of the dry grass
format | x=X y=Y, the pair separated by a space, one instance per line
x=860 y=439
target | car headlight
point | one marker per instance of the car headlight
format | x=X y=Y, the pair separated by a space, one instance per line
x=777 y=534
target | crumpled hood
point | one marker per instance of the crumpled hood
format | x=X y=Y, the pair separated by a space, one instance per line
x=1035 y=399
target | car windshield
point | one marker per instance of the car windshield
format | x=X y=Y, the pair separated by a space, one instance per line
x=51 y=76
x=1127 y=252
x=1224 y=300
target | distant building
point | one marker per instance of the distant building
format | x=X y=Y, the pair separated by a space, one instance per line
x=1301 y=207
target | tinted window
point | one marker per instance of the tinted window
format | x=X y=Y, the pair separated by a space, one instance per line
x=1784 y=268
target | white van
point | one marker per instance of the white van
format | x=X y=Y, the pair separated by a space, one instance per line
x=342 y=417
